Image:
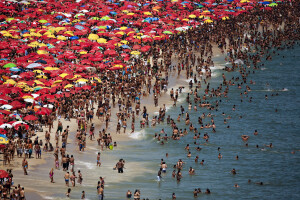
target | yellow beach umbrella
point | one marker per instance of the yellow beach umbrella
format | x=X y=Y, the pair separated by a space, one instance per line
x=69 y=86
x=120 y=33
x=51 y=68
x=225 y=18
x=40 y=52
x=135 y=53
x=38 y=82
x=38 y=71
x=42 y=76
x=93 y=37
x=83 y=52
x=208 y=21
x=61 y=37
x=63 y=75
x=27 y=97
x=82 y=80
x=130 y=14
x=4 y=140
x=57 y=81
x=10 y=81
x=102 y=40
x=192 y=16
x=147 y=13
x=123 y=28
x=124 y=42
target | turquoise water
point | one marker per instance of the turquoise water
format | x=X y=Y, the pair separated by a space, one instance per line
x=277 y=168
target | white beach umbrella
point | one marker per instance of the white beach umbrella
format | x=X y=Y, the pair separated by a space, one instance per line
x=15 y=76
x=33 y=65
x=48 y=106
x=29 y=100
x=6 y=107
x=6 y=126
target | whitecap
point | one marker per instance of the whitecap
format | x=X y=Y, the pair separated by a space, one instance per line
x=138 y=135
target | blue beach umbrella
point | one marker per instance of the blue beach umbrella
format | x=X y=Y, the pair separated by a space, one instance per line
x=14 y=69
x=74 y=38
x=79 y=27
x=125 y=46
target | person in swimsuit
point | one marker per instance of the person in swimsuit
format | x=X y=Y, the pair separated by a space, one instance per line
x=67 y=177
x=128 y=194
x=51 y=174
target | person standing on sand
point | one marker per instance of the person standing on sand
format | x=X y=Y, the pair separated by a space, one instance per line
x=25 y=166
x=67 y=177
x=79 y=177
x=98 y=159
x=51 y=174
x=59 y=126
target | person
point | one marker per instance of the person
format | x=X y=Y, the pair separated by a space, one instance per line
x=195 y=192
x=25 y=166
x=79 y=180
x=83 y=195
x=233 y=171
x=120 y=166
x=51 y=174
x=191 y=171
x=164 y=167
x=68 y=192
x=207 y=191
x=128 y=194
x=173 y=196
x=67 y=177
x=159 y=174
x=137 y=195
x=98 y=159
x=100 y=191
x=236 y=185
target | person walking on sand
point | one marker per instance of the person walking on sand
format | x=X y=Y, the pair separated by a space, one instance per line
x=51 y=174
x=67 y=177
x=79 y=180
x=25 y=166
x=98 y=159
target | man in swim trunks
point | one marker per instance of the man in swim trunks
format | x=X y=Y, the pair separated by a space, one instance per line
x=67 y=177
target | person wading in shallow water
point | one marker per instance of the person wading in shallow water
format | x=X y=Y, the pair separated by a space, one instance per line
x=120 y=165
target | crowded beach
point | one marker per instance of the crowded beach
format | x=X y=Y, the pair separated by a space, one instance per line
x=89 y=73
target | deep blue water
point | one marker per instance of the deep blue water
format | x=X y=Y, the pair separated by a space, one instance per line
x=277 y=168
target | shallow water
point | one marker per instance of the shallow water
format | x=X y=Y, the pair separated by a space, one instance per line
x=276 y=167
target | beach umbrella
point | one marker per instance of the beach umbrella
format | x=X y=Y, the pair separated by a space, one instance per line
x=9 y=65
x=135 y=53
x=43 y=21
x=6 y=107
x=14 y=69
x=3 y=174
x=33 y=65
x=30 y=118
x=41 y=61
x=273 y=4
x=6 y=126
x=48 y=106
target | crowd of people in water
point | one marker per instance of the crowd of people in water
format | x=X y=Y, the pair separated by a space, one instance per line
x=245 y=40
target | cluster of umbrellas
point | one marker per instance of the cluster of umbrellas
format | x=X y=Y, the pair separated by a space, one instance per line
x=40 y=44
